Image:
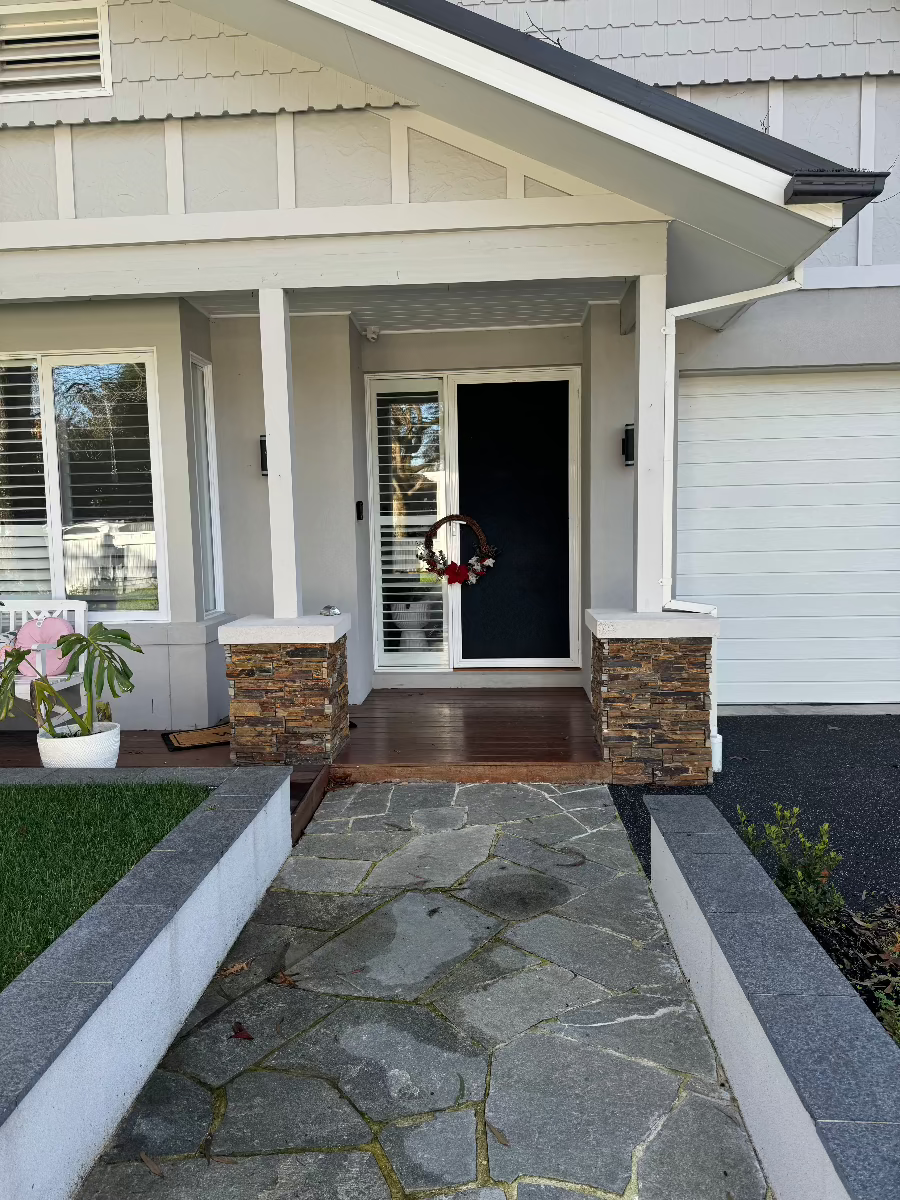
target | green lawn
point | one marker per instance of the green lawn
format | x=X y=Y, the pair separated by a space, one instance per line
x=62 y=848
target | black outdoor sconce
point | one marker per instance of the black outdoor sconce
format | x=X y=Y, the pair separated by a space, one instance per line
x=628 y=446
x=263 y=455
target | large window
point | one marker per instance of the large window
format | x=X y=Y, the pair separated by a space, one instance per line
x=78 y=482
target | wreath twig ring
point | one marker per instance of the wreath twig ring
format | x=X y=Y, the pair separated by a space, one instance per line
x=437 y=562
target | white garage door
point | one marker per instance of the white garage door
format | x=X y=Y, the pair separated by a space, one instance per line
x=789 y=521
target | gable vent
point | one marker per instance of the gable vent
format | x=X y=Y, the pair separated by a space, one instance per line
x=44 y=52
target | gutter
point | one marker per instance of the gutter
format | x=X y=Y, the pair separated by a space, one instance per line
x=680 y=313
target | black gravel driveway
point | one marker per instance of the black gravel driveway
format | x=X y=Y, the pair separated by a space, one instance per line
x=840 y=769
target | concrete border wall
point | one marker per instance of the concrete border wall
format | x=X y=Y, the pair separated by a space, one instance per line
x=816 y=1076
x=85 y=1024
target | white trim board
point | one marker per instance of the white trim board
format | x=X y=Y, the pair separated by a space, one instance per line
x=480 y=255
x=289 y=222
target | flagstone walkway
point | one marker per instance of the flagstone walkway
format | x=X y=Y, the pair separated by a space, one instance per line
x=448 y=991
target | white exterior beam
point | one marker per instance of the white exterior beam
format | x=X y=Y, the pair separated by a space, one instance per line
x=278 y=399
x=653 y=497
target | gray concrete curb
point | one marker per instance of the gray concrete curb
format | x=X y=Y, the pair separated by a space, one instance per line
x=84 y=1025
x=816 y=1076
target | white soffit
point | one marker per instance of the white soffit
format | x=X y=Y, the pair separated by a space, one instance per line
x=447 y=307
x=713 y=189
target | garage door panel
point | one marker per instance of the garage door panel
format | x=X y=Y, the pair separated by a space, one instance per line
x=756 y=629
x=868 y=691
x=832 y=670
x=786 y=562
x=789 y=522
x=790 y=605
x=710 y=588
x=776 y=495
x=791 y=450
x=804 y=471
x=810 y=649
x=842 y=537
x=803 y=516
x=736 y=429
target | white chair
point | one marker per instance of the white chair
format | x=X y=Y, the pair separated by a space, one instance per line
x=16 y=611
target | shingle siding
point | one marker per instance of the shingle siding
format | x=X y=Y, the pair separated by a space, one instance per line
x=169 y=61
x=684 y=42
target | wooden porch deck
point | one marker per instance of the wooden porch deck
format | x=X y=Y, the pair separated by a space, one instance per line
x=464 y=736
x=483 y=734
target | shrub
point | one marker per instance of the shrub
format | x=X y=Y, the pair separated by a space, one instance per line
x=803 y=867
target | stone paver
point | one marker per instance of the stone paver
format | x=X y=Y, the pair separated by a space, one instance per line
x=322 y=874
x=399 y=950
x=437 y=1152
x=572 y=1112
x=392 y=1060
x=514 y=892
x=269 y=1111
x=484 y=1005
x=211 y=1052
x=435 y=859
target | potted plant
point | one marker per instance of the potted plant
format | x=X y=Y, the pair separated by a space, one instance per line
x=67 y=738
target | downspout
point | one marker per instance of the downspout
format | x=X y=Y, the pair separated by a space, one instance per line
x=793 y=284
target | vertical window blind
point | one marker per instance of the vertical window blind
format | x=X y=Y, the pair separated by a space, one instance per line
x=24 y=542
x=410 y=491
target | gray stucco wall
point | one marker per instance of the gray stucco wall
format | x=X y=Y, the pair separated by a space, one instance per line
x=342 y=158
x=119 y=170
x=843 y=327
x=27 y=175
x=229 y=164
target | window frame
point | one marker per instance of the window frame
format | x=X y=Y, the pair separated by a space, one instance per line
x=101 y=7
x=46 y=361
x=212 y=472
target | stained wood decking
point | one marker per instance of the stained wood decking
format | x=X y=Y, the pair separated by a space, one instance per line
x=501 y=734
x=465 y=736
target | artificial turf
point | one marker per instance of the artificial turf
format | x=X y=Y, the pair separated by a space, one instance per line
x=62 y=848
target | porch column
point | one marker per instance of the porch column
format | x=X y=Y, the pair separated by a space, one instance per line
x=653 y=483
x=278 y=399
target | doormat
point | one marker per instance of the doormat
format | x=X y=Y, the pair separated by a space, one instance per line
x=196 y=739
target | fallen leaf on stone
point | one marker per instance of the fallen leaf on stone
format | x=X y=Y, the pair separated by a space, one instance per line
x=498 y=1134
x=234 y=969
x=241 y=1033
x=284 y=980
x=152 y=1166
x=231 y=1162
x=461 y=1094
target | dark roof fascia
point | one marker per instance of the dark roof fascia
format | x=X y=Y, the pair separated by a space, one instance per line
x=602 y=81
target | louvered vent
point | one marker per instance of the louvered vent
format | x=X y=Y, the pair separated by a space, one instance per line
x=47 y=51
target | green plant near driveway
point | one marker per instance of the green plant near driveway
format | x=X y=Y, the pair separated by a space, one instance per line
x=803 y=867
x=103 y=669
x=63 y=848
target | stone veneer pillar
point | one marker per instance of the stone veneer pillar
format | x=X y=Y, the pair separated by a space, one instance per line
x=652 y=695
x=287 y=679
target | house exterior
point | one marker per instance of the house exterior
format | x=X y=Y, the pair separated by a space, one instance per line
x=799 y=551
x=284 y=285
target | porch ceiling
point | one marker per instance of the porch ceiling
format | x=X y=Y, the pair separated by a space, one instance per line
x=434 y=307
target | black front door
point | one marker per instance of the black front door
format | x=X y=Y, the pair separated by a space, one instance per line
x=514 y=462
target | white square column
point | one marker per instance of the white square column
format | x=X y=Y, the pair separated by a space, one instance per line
x=654 y=474
x=278 y=399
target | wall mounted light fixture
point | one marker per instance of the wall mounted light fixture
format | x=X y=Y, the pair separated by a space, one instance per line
x=628 y=446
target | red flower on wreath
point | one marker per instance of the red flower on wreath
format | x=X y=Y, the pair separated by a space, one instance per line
x=456 y=574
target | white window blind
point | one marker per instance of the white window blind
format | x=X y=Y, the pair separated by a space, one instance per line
x=408 y=486
x=43 y=51
x=24 y=543
x=106 y=485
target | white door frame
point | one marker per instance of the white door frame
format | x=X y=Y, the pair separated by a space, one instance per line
x=450 y=381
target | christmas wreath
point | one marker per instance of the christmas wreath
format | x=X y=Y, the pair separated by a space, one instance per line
x=437 y=563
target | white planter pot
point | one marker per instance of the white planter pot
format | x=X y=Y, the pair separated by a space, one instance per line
x=98 y=749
